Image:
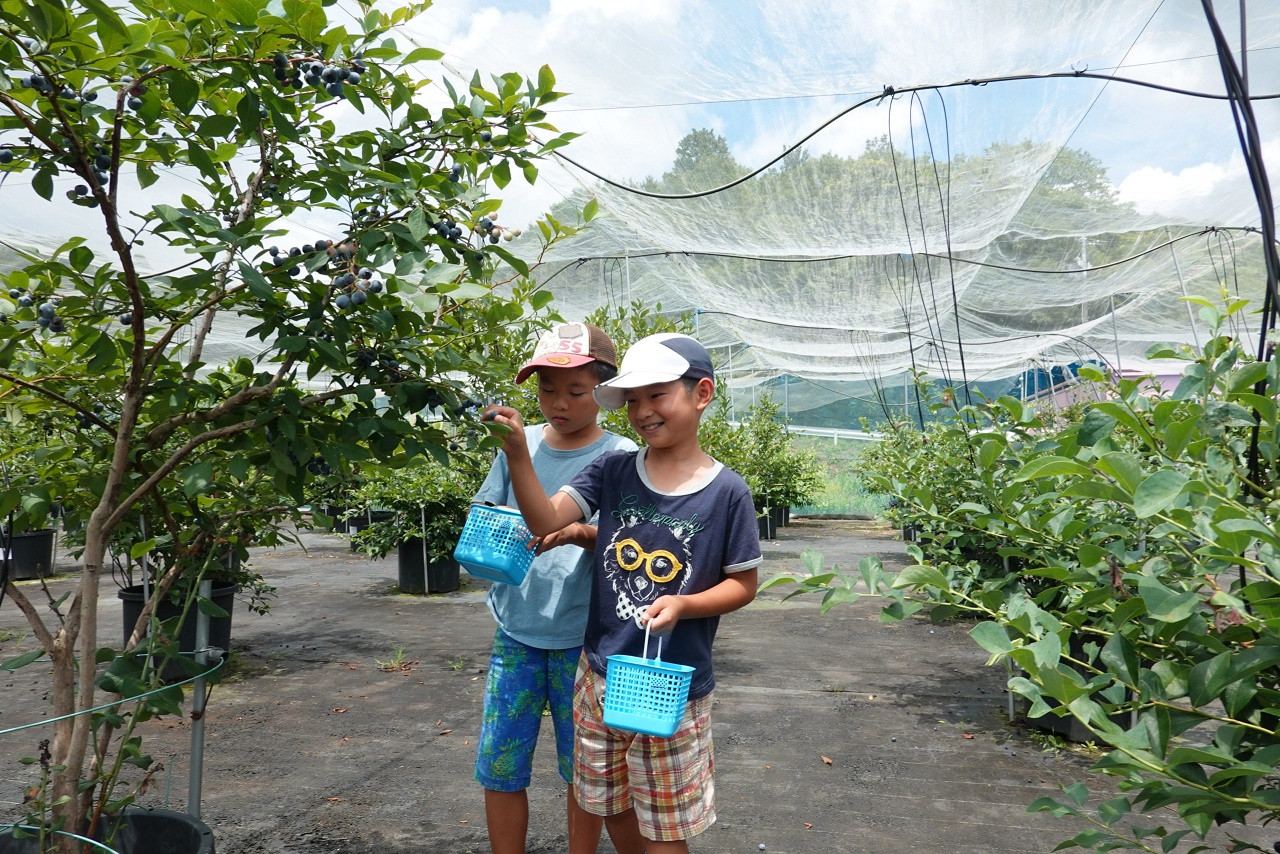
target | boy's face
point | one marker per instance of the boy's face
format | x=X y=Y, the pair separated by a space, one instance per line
x=667 y=414
x=564 y=397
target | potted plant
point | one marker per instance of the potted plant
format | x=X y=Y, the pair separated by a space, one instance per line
x=27 y=533
x=379 y=312
x=213 y=549
x=329 y=494
x=425 y=506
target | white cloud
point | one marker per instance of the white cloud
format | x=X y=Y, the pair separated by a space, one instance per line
x=1154 y=190
x=1208 y=192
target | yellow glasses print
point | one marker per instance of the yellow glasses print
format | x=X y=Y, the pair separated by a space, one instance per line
x=661 y=566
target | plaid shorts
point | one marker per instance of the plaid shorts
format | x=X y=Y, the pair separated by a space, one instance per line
x=524 y=680
x=667 y=780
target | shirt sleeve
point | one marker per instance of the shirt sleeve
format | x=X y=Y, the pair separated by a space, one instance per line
x=497 y=483
x=742 y=536
x=586 y=486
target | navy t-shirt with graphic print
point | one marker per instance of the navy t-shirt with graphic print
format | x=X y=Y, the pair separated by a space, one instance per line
x=653 y=543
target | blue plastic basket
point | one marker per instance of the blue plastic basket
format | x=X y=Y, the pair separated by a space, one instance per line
x=494 y=544
x=645 y=695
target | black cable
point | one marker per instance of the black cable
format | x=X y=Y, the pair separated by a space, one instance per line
x=943 y=358
x=911 y=349
x=1229 y=272
x=946 y=230
x=1251 y=146
x=819 y=259
x=906 y=224
x=889 y=92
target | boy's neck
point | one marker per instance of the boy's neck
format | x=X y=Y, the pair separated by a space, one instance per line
x=671 y=469
x=571 y=441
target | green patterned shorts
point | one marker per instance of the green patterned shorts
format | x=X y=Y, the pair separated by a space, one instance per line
x=523 y=681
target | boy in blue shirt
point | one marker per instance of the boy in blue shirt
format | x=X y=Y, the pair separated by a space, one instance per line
x=677 y=546
x=541 y=621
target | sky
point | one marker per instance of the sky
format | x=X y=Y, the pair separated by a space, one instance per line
x=763 y=74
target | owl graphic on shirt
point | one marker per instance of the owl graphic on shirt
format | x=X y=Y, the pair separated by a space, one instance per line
x=644 y=561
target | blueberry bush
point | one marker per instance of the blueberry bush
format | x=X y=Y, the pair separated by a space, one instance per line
x=197 y=136
x=1141 y=595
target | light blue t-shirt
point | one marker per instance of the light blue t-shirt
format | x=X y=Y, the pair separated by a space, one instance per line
x=549 y=609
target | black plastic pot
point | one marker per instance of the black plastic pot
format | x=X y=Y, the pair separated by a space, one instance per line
x=142 y=830
x=131 y=600
x=362 y=520
x=1068 y=727
x=419 y=576
x=31 y=555
x=334 y=514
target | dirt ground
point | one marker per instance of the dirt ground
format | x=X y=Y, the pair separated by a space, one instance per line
x=347 y=723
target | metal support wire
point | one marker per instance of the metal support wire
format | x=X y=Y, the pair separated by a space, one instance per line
x=1177 y=268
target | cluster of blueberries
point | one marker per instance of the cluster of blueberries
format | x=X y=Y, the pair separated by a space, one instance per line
x=85 y=421
x=356 y=287
x=46 y=312
x=355 y=283
x=44 y=86
x=494 y=232
x=312 y=73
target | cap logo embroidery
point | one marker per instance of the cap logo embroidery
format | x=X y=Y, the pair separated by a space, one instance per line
x=557 y=360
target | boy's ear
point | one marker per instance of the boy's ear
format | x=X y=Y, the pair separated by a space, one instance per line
x=704 y=392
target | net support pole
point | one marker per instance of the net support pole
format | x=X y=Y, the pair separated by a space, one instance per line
x=146 y=561
x=195 y=778
x=1115 y=333
x=1177 y=268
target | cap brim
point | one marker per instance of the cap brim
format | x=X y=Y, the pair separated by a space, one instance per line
x=554 y=360
x=613 y=393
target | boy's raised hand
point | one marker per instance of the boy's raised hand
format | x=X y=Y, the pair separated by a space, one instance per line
x=508 y=417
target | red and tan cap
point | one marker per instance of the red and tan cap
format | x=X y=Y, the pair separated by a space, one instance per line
x=568 y=346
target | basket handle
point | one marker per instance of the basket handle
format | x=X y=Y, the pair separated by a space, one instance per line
x=645 y=654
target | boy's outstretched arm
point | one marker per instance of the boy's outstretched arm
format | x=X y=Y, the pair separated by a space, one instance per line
x=578 y=534
x=735 y=591
x=542 y=514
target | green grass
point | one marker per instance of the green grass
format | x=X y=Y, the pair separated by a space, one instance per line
x=844 y=492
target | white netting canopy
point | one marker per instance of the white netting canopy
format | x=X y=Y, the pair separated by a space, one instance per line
x=969 y=189
x=993 y=192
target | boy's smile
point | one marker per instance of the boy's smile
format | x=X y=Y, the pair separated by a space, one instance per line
x=665 y=415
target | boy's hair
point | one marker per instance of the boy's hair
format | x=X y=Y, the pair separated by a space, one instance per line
x=570 y=345
x=604 y=371
x=661 y=358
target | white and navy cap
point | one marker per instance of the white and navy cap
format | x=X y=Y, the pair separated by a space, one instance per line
x=654 y=359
